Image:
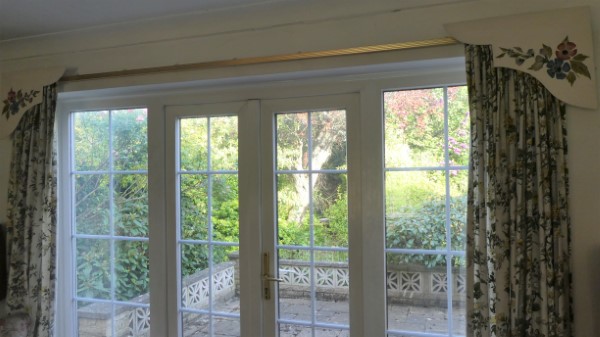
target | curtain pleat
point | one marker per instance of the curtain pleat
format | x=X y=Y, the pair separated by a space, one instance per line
x=518 y=227
x=32 y=218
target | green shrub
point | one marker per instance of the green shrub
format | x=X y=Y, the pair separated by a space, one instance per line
x=424 y=228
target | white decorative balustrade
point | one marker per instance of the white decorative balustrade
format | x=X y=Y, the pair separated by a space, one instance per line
x=406 y=284
x=134 y=321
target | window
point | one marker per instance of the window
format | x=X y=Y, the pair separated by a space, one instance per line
x=426 y=161
x=337 y=211
x=109 y=219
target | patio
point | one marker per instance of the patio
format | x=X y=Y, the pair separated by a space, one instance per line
x=404 y=317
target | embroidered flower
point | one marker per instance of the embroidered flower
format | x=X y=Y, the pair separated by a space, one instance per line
x=565 y=62
x=558 y=68
x=11 y=103
x=565 y=50
x=12 y=95
x=17 y=100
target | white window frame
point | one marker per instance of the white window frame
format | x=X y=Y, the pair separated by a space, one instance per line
x=368 y=257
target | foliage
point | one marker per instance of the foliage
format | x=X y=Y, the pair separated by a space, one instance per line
x=116 y=203
x=424 y=228
x=126 y=207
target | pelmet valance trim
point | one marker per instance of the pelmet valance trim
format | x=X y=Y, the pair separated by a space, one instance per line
x=556 y=47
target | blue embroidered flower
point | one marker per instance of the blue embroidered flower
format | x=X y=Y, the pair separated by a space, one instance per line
x=564 y=62
x=17 y=100
x=558 y=68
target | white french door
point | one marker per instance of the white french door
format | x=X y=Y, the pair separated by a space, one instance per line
x=285 y=267
x=307 y=188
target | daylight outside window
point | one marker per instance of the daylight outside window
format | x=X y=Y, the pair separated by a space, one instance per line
x=426 y=162
x=109 y=163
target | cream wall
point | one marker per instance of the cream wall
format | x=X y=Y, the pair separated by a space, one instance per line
x=318 y=25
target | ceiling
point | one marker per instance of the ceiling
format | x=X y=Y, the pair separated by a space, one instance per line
x=27 y=18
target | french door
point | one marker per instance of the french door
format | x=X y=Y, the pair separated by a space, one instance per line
x=262 y=234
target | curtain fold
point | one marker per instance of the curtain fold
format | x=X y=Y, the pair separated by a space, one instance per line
x=32 y=217
x=518 y=227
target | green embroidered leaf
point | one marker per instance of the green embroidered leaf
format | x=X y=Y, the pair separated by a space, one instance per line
x=546 y=51
x=500 y=56
x=580 y=68
x=580 y=57
x=538 y=64
x=530 y=53
x=518 y=49
x=571 y=77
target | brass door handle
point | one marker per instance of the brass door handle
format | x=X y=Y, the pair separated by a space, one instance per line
x=267 y=277
x=271 y=278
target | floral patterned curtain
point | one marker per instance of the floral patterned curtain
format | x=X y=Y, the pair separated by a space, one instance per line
x=32 y=217
x=518 y=247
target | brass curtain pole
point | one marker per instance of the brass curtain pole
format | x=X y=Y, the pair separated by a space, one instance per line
x=265 y=59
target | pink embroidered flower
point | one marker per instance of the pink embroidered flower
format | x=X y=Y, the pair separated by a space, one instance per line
x=12 y=95
x=565 y=50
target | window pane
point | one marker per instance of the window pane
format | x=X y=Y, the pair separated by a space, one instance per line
x=328 y=139
x=92 y=212
x=194 y=206
x=209 y=226
x=208 y=285
x=332 y=289
x=414 y=128
x=130 y=142
x=132 y=270
x=193 y=146
x=94 y=319
x=425 y=191
x=458 y=126
x=459 y=310
x=330 y=207
x=415 y=210
x=293 y=200
x=223 y=143
x=312 y=214
x=131 y=204
x=417 y=293
x=225 y=216
x=292 y=141
x=111 y=202
x=93 y=268
x=91 y=138
x=458 y=209
x=199 y=325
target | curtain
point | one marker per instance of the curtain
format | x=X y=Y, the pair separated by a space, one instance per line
x=32 y=217
x=518 y=228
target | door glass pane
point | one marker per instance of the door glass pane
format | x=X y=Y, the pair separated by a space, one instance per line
x=426 y=153
x=208 y=226
x=312 y=223
x=193 y=206
x=110 y=202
